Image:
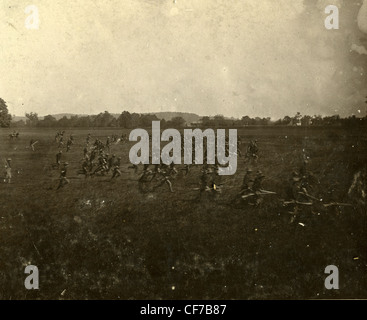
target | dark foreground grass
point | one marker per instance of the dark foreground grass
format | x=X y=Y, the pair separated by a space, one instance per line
x=97 y=239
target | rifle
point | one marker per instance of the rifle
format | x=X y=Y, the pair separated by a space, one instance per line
x=297 y=202
x=261 y=193
x=337 y=204
x=309 y=196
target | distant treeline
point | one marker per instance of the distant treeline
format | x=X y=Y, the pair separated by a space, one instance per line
x=134 y=120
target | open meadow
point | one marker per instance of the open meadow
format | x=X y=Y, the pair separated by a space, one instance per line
x=102 y=239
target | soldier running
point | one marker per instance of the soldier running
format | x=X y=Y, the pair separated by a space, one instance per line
x=247 y=182
x=116 y=171
x=68 y=144
x=108 y=144
x=88 y=139
x=111 y=162
x=61 y=142
x=135 y=167
x=32 y=143
x=8 y=171
x=58 y=158
x=86 y=168
x=164 y=173
x=63 y=180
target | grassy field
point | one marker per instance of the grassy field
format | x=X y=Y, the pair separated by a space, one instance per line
x=102 y=239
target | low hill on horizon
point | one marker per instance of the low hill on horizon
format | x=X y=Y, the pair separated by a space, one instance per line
x=189 y=117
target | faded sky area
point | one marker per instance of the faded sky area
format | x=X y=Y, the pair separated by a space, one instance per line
x=249 y=57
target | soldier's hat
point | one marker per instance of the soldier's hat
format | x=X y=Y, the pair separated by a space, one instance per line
x=66 y=163
x=113 y=155
x=9 y=159
x=295 y=178
x=248 y=170
x=119 y=158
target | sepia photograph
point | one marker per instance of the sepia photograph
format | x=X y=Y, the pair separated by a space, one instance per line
x=159 y=150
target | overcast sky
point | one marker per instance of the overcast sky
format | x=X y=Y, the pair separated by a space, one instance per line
x=239 y=57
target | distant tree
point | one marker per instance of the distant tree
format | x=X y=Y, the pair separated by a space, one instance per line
x=103 y=119
x=177 y=122
x=164 y=123
x=306 y=120
x=19 y=123
x=32 y=119
x=286 y=120
x=63 y=122
x=135 y=120
x=124 y=120
x=84 y=121
x=278 y=122
x=257 y=121
x=146 y=120
x=219 y=120
x=205 y=121
x=245 y=120
x=48 y=121
x=5 y=117
x=296 y=120
x=73 y=121
x=317 y=120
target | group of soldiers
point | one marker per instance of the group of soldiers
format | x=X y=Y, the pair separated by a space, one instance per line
x=252 y=186
x=161 y=174
x=97 y=161
x=301 y=182
x=59 y=138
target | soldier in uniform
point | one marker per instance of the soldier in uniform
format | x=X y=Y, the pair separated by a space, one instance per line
x=86 y=168
x=8 y=171
x=186 y=168
x=88 y=139
x=172 y=170
x=247 y=182
x=239 y=148
x=116 y=171
x=111 y=162
x=61 y=141
x=204 y=180
x=58 y=158
x=135 y=167
x=63 y=180
x=252 y=150
x=296 y=186
x=145 y=177
x=257 y=187
x=102 y=165
x=108 y=144
x=164 y=173
x=68 y=144
x=85 y=152
x=32 y=143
